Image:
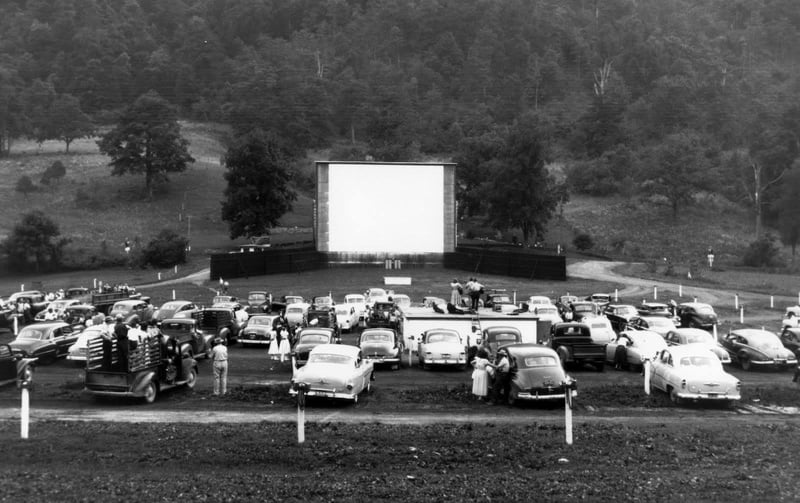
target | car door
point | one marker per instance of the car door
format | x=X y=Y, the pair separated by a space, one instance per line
x=8 y=365
x=68 y=338
x=58 y=336
x=661 y=370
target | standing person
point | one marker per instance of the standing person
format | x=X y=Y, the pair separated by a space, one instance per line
x=480 y=377
x=121 y=334
x=283 y=347
x=475 y=293
x=710 y=257
x=456 y=290
x=219 y=355
x=502 y=377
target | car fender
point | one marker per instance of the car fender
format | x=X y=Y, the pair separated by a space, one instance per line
x=142 y=380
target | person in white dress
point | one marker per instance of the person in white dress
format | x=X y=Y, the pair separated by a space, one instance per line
x=480 y=377
x=274 y=347
x=455 y=292
x=284 y=348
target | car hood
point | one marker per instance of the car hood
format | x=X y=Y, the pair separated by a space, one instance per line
x=548 y=377
x=27 y=345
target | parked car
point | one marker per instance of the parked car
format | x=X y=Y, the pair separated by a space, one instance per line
x=189 y=337
x=791 y=318
x=640 y=345
x=296 y=314
x=286 y=300
x=600 y=328
x=441 y=346
x=357 y=301
x=696 y=315
x=140 y=309
x=58 y=307
x=536 y=374
x=685 y=336
x=222 y=299
x=258 y=331
x=171 y=308
x=494 y=298
x=655 y=309
x=322 y=302
x=79 y=314
x=401 y=300
x=383 y=314
x=582 y=309
x=258 y=301
x=382 y=346
x=658 y=324
x=600 y=299
x=790 y=338
x=563 y=304
x=693 y=372
x=45 y=341
x=346 y=317
x=217 y=322
x=335 y=371
x=309 y=338
x=14 y=367
x=493 y=338
x=547 y=312
x=756 y=348
x=573 y=343
x=324 y=317
x=35 y=298
x=375 y=294
x=619 y=315
x=539 y=300
x=77 y=351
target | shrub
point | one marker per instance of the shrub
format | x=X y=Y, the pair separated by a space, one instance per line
x=762 y=252
x=583 y=241
x=56 y=171
x=165 y=250
x=25 y=185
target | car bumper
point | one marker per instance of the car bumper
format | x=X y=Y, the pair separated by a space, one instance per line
x=688 y=395
x=446 y=361
x=778 y=364
x=326 y=394
x=382 y=359
x=544 y=394
x=260 y=342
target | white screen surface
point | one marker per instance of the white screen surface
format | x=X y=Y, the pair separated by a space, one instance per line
x=394 y=208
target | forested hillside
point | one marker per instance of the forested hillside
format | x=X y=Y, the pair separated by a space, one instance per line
x=662 y=99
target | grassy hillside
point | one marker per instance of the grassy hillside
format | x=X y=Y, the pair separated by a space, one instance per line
x=99 y=211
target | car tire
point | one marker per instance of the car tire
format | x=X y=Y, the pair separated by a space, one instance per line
x=192 y=379
x=150 y=392
x=673 y=396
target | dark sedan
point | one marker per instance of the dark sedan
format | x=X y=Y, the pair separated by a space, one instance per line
x=45 y=341
x=537 y=374
x=308 y=339
x=752 y=347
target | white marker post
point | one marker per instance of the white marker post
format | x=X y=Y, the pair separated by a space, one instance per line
x=714 y=331
x=741 y=315
x=301 y=412
x=772 y=302
x=736 y=301
x=176 y=269
x=655 y=293
x=94 y=284
x=616 y=295
x=173 y=294
x=680 y=290
x=159 y=276
x=25 y=412
x=16 y=325
x=646 y=371
x=22 y=289
x=568 y=386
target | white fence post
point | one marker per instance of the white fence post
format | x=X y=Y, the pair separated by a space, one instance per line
x=25 y=413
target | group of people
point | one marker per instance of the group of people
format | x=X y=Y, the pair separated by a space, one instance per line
x=491 y=381
x=472 y=288
x=281 y=344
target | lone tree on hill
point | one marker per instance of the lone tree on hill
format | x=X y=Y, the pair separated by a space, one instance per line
x=34 y=243
x=258 y=191
x=147 y=139
x=68 y=120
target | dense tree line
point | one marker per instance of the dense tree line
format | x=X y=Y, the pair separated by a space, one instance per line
x=667 y=96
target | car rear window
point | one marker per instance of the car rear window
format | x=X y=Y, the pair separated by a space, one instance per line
x=539 y=361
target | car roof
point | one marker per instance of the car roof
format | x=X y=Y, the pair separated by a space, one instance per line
x=500 y=329
x=754 y=333
x=377 y=329
x=695 y=304
x=46 y=324
x=316 y=330
x=442 y=330
x=337 y=349
x=690 y=350
x=529 y=348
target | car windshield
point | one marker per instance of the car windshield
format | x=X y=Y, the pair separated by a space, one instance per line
x=176 y=328
x=659 y=322
x=443 y=337
x=583 y=308
x=33 y=334
x=329 y=358
x=698 y=337
x=376 y=337
x=704 y=309
x=343 y=310
x=642 y=337
x=294 y=310
x=546 y=310
x=259 y=321
x=256 y=297
x=313 y=338
x=697 y=361
x=539 y=361
x=291 y=299
x=354 y=300
x=503 y=337
x=501 y=298
x=626 y=311
x=599 y=324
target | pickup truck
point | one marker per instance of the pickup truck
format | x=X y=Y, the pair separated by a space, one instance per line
x=574 y=345
x=152 y=368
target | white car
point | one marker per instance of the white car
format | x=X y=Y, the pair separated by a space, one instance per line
x=77 y=352
x=296 y=314
x=358 y=301
x=601 y=330
x=401 y=300
x=441 y=346
x=658 y=324
x=639 y=345
x=346 y=316
x=538 y=300
x=693 y=372
x=334 y=371
x=791 y=318
x=697 y=336
x=547 y=313
x=376 y=295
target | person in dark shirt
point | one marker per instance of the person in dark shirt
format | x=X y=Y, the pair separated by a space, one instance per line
x=121 y=333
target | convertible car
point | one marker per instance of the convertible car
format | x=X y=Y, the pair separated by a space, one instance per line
x=381 y=345
x=639 y=345
x=441 y=346
x=693 y=372
x=753 y=347
x=683 y=336
x=536 y=373
x=334 y=371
